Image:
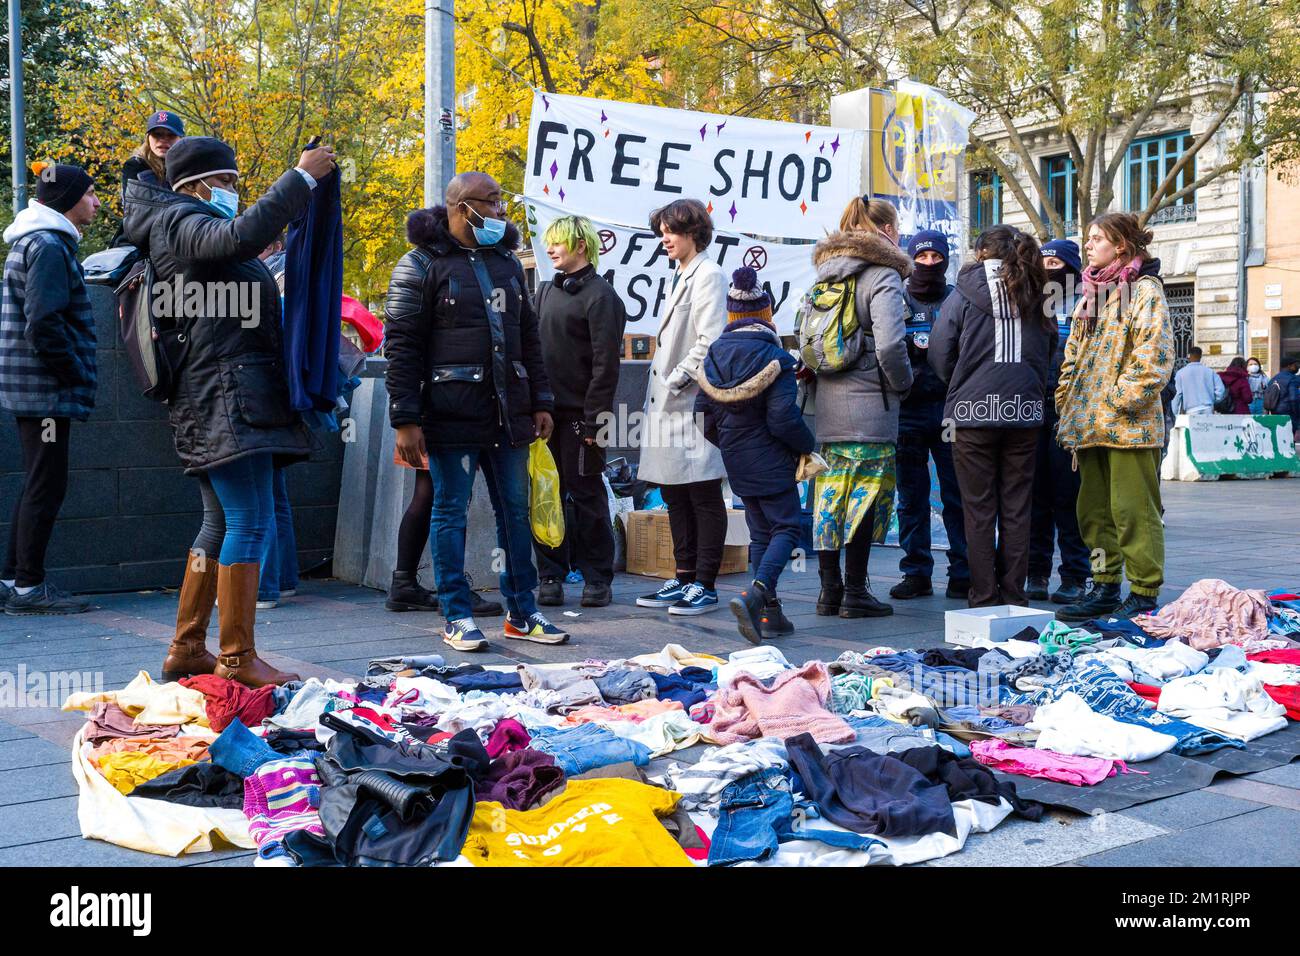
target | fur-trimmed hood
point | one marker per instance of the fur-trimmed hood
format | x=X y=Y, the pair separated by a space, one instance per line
x=428 y=227
x=744 y=362
x=842 y=254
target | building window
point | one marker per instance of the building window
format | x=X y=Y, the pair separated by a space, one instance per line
x=985 y=200
x=1149 y=161
x=1058 y=176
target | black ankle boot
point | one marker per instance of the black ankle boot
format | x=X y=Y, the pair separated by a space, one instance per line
x=860 y=602
x=748 y=609
x=406 y=594
x=832 y=592
x=774 y=619
x=1100 y=601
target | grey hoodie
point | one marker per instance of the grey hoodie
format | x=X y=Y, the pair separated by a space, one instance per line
x=851 y=405
x=994 y=360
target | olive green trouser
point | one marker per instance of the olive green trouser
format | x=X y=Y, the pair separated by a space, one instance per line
x=1119 y=516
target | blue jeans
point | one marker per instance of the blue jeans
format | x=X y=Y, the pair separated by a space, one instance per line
x=587 y=747
x=920 y=438
x=757 y=813
x=505 y=470
x=244 y=489
x=775 y=526
x=280 y=557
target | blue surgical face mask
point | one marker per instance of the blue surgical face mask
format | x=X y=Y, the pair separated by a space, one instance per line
x=491 y=232
x=224 y=201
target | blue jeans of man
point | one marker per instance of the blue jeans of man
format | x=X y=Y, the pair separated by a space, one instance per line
x=280 y=558
x=775 y=524
x=505 y=470
x=244 y=488
x=920 y=438
x=756 y=814
x=1052 y=518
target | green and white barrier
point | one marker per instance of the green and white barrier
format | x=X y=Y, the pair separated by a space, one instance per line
x=1209 y=446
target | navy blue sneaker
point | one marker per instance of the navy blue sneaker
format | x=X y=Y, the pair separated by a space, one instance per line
x=666 y=596
x=696 y=599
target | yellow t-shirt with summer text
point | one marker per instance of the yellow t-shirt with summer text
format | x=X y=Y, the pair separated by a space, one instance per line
x=607 y=822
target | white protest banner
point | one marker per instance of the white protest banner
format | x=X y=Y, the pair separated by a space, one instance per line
x=621 y=161
x=635 y=264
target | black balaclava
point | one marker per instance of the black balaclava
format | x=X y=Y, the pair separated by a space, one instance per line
x=927 y=283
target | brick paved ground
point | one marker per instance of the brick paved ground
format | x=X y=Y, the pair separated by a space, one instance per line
x=1244 y=532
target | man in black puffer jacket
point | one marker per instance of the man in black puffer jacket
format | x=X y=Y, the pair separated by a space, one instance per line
x=467 y=384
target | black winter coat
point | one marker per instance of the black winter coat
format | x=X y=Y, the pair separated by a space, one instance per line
x=461 y=338
x=232 y=394
x=748 y=399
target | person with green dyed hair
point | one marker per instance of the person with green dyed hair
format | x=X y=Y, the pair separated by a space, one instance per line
x=581 y=319
x=576 y=234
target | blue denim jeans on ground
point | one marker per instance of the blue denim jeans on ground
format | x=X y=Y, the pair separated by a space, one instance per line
x=587 y=747
x=757 y=813
x=244 y=488
x=775 y=525
x=505 y=471
x=280 y=556
x=241 y=751
x=920 y=437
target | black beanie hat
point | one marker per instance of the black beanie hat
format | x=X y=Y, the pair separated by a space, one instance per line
x=59 y=185
x=194 y=157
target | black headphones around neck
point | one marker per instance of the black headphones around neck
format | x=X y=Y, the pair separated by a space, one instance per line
x=573 y=284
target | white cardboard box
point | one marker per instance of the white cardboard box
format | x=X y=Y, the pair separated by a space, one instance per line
x=978 y=625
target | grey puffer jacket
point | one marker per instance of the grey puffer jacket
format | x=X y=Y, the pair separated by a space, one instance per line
x=860 y=404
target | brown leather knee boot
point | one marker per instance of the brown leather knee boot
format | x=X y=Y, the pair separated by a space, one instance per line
x=188 y=654
x=236 y=608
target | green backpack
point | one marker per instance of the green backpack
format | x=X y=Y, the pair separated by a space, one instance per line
x=830 y=338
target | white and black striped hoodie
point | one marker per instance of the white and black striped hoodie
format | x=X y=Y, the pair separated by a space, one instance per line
x=995 y=360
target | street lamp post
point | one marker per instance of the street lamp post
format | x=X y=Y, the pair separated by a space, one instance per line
x=16 y=112
x=439 y=98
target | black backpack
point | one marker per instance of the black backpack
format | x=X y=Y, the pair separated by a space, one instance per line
x=154 y=346
x=1225 y=403
x=1273 y=396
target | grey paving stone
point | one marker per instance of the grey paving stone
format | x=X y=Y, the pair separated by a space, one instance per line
x=36 y=783
x=1189 y=809
x=1258 y=792
x=74 y=850
x=1288 y=776
x=1266 y=837
x=38 y=821
x=1059 y=837
x=30 y=752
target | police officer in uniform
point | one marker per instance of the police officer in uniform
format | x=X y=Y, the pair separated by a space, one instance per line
x=921 y=435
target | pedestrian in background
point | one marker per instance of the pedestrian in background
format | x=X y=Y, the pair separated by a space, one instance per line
x=581 y=319
x=1236 y=379
x=1118 y=358
x=48 y=374
x=1196 y=388
x=857 y=408
x=1257 y=382
x=921 y=434
x=674 y=452
x=993 y=345
x=1053 y=522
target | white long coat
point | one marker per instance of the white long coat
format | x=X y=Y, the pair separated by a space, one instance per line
x=673 y=450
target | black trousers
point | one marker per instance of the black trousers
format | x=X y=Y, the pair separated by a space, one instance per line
x=996 y=469
x=1053 y=521
x=45 y=483
x=588 y=532
x=697 y=517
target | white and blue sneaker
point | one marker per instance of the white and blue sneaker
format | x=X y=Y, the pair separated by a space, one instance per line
x=666 y=596
x=696 y=599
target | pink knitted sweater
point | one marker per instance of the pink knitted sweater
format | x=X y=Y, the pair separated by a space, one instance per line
x=794 y=704
x=1211 y=613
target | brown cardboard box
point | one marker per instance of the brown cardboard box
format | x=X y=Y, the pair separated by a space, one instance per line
x=650 y=547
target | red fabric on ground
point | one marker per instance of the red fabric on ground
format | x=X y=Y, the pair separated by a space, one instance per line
x=228 y=699
x=1288 y=695
x=1146 y=691
x=1290 y=655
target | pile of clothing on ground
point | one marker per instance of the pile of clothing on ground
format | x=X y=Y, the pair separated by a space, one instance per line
x=677 y=758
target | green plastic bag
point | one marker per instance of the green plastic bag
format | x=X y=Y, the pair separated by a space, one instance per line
x=545 y=509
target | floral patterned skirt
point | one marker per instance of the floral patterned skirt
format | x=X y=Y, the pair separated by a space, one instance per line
x=860 y=482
